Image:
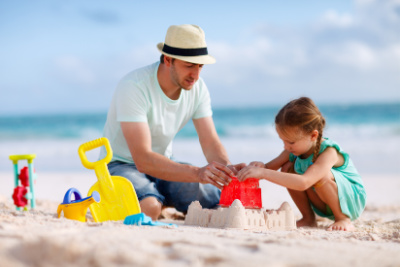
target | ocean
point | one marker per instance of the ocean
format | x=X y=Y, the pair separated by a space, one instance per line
x=370 y=133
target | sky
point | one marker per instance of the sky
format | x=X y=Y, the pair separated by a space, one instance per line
x=68 y=56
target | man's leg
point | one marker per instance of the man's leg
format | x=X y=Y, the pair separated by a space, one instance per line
x=180 y=195
x=151 y=207
x=150 y=199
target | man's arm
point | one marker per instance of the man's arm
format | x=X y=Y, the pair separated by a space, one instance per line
x=211 y=145
x=138 y=138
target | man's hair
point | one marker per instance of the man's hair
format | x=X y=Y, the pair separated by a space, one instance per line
x=162 y=59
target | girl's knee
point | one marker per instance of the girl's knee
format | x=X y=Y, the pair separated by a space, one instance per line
x=288 y=167
x=325 y=180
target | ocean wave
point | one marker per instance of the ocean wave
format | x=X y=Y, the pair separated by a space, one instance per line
x=370 y=155
x=251 y=122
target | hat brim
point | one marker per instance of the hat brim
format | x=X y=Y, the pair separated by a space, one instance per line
x=206 y=59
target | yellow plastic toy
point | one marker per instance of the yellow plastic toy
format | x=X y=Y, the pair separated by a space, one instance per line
x=118 y=196
x=76 y=209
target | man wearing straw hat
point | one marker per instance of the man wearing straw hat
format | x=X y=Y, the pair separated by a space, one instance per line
x=149 y=107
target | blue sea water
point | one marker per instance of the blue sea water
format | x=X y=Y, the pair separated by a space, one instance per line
x=369 y=132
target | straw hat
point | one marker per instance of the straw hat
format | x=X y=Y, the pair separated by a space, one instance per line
x=186 y=42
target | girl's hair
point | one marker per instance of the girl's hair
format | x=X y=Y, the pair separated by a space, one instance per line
x=303 y=114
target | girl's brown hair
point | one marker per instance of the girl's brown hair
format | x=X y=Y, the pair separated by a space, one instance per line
x=303 y=114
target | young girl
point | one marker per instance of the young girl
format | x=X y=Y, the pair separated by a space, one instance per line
x=318 y=174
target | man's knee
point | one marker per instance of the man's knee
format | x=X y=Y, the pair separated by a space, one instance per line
x=151 y=207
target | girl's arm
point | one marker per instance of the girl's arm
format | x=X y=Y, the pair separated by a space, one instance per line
x=274 y=164
x=313 y=174
x=278 y=162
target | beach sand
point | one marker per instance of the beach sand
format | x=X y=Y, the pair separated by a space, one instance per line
x=39 y=238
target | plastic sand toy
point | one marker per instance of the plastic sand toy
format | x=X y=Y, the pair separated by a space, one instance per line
x=76 y=209
x=143 y=219
x=118 y=197
x=24 y=192
x=248 y=192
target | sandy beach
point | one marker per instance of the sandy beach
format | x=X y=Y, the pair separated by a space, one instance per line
x=39 y=238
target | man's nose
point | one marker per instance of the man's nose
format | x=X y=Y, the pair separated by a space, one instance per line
x=195 y=74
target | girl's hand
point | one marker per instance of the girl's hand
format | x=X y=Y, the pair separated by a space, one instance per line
x=250 y=172
x=237 y=167
x=257 y=164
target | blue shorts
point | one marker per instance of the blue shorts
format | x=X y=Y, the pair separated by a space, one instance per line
x=175 y=194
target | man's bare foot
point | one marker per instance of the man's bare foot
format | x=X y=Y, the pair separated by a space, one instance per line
x=341 y=225
x=306 y=222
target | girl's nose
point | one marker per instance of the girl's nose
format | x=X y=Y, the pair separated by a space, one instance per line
x=286 y=147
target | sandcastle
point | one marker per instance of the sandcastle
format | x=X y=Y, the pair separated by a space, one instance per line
x=237 y=216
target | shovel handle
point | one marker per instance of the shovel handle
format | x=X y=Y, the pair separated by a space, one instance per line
x=92 y=145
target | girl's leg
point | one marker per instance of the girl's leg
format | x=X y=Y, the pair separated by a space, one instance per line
x=302 y=202
x=327 y=192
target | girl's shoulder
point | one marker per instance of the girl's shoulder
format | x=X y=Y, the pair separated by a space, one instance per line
x=328 y=143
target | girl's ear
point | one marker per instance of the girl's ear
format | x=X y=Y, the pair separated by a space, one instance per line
x=314 y=135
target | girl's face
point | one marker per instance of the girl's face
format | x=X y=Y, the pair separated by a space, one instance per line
x=297 y=142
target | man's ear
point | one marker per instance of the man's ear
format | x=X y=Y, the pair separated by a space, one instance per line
x=167 y=61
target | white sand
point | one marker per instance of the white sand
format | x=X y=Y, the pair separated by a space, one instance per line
x=38 y=238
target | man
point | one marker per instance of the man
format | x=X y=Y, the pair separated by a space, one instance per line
x=150 y=105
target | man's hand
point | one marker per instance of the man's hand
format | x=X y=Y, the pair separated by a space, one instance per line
x=216 y=174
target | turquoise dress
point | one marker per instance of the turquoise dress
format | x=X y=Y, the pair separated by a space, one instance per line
x=352 y=195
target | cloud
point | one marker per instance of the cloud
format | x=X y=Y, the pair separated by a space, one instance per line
x=102 y=16
x=332 y=19
x=352 y=54
x=336 y=55
x=72 y=69
x=330 y=58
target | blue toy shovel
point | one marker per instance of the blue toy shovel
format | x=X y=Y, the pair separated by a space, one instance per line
x=143 y=219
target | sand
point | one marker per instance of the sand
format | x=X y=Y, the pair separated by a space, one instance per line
x=39 y=238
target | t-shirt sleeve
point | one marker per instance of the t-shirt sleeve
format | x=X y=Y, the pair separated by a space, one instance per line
x=132 y=103
x=204 y=102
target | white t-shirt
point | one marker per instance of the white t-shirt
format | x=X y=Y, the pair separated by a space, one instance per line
x=139 y=98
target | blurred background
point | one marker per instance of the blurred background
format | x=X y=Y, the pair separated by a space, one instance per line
x=60 y=62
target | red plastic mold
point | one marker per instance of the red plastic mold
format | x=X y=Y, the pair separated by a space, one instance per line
x=19 y=196
x=24 y=176
x=248 y=192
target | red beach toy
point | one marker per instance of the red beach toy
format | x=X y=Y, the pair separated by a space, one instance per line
x=248 y=192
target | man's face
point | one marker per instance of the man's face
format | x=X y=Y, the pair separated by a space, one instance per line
x=184 y=74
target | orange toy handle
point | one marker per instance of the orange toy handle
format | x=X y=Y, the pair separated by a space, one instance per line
x=92 y=145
